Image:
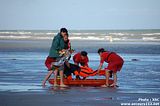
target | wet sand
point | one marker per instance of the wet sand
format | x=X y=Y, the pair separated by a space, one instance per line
x=78 y=45
x=75 y=97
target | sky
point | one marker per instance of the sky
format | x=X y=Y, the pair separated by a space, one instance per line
x=79 y=14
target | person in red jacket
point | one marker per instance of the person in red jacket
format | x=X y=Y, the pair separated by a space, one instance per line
x=115 y=63
x=81 y=58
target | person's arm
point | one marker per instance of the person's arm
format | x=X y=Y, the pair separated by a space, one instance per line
x=76 y=63
x=100 y=66
x=87 y=62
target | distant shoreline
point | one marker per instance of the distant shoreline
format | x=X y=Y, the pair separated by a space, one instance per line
x=78 y=45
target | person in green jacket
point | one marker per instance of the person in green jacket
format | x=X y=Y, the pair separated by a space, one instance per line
x=58 y=45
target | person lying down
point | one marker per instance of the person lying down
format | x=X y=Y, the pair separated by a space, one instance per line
x=81 y=71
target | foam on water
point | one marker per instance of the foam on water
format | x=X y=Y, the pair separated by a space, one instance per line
x=106 y=35
x=151 y=34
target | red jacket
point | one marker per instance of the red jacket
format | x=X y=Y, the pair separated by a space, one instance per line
x=110 y=57
x=77 y=59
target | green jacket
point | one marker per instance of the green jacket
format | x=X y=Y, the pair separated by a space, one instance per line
x=57 y=45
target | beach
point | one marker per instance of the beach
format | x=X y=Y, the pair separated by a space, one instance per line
x=22 y=70
x=77 y=97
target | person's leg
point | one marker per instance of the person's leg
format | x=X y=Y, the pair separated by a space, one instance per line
x=115 y=79
x=55 y=77
x=118 y=66
x=76 y=73
x=61 y=79
x=107 y=79
x=76 y=69
x=48 y=63
x=110 y=74
x=47 y=77
x=67 y=71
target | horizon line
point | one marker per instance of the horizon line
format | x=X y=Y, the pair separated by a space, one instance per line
x=89 y=29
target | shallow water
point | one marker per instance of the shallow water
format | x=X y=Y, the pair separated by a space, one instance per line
x=24 y=71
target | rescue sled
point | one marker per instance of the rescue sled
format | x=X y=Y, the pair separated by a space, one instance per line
x=86 y=82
